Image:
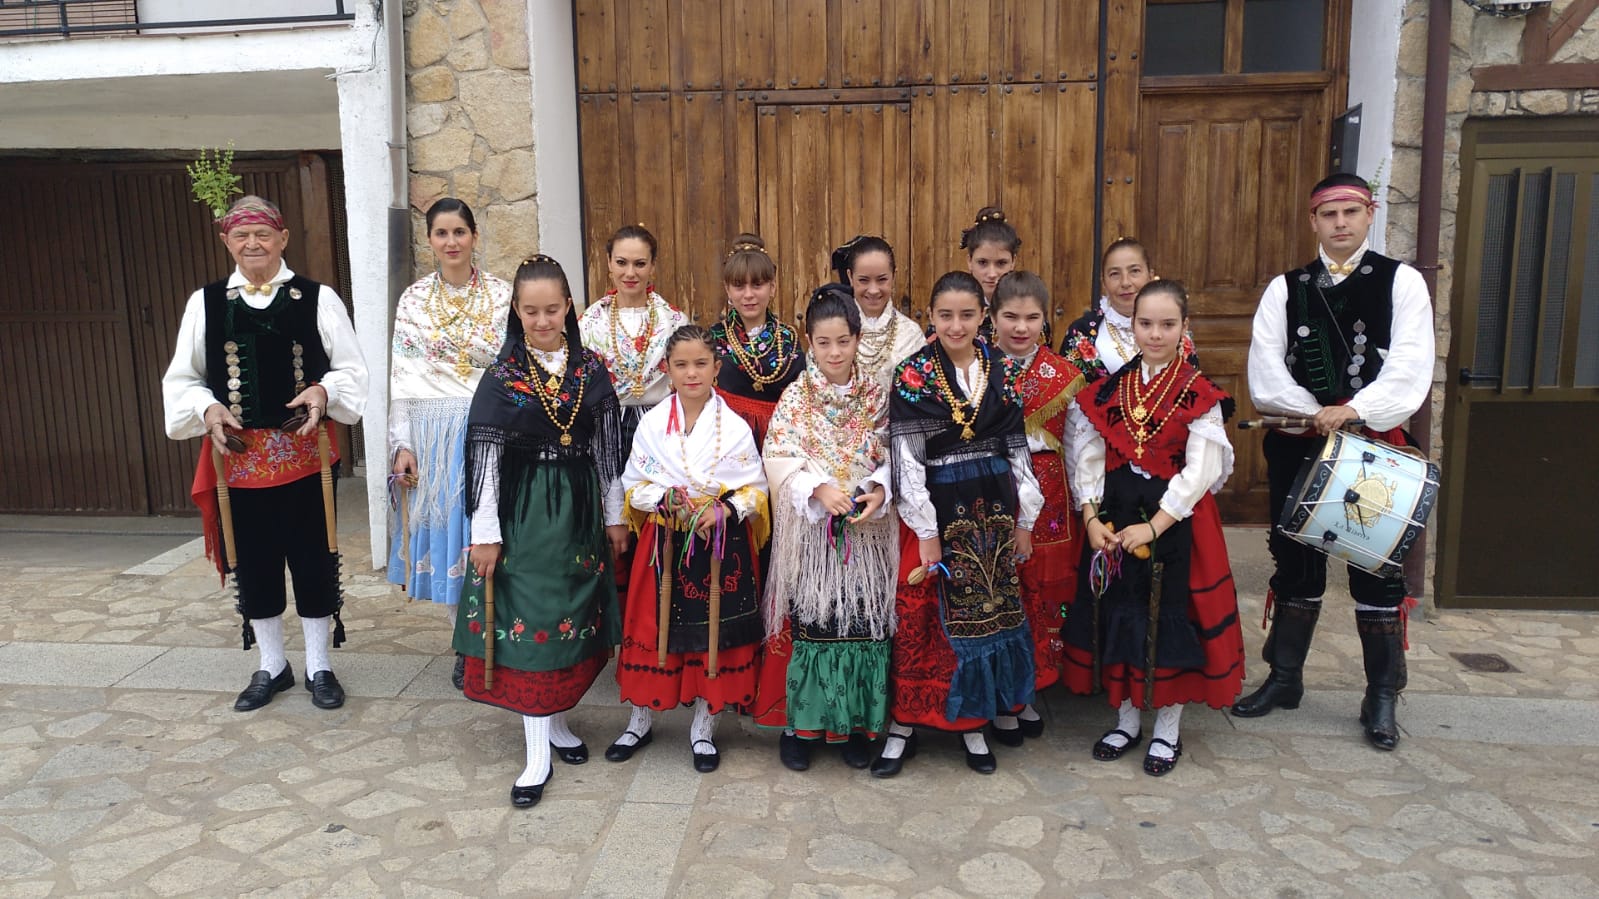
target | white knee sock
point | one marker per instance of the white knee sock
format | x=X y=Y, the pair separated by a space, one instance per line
x=1029 y=713
x=451 y=611
x=537 y=730
x=1005 y=722
x=1128 y=720
x=1166 y=722
x=269 y=640
x=317 y=634
x=704 y=725
x=638 y=724
x=975 y=743
x=893 y=749
x=560 y=734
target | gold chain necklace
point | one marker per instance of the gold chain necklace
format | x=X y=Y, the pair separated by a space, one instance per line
x=964 y=412
x=1138 y=415
x=1116 y=338
x=872 y=359
x=710 y=486
x=549 y=391
x=443 y=314
x=748 y=361
x=634 y=373
x=854 y=426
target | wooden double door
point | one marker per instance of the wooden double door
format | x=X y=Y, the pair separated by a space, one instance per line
x=810 y=121
x=99 y=261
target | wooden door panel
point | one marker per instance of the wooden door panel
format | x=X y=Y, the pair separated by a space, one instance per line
x=1221 y=209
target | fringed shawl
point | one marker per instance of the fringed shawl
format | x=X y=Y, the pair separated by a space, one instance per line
x=828 y=573
x=918 y=407
x=1046 y=390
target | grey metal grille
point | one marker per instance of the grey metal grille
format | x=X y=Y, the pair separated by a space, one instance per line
x=1588 y=323
x=1528 y=287
x=1497 y=232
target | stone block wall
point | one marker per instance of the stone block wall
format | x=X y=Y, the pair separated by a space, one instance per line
x=470 y=122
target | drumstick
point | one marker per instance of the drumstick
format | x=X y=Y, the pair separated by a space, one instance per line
x=225 y=508
x=1288 y=421
x=324 y=454
x=488 y=634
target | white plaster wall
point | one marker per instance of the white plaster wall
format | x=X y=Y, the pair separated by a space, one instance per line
x=554 y=76
x=206 y=10
x=1373 y=82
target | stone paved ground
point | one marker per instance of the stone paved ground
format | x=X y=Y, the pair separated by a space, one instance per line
x=125 y=772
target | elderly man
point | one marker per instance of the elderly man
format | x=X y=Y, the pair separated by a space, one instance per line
x=1348 y=336
x=262 y=358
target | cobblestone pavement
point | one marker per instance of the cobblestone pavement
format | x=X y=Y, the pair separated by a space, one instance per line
x=124 y=771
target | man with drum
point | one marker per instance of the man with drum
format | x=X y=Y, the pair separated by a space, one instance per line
x=1348 y=336
x=262 y=358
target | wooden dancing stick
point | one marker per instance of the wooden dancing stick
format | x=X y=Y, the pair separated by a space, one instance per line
x=716 y=615
x=488 y=634
x=1157 y=574
x=225 y=508
x=405 y=535
x=1290 y=421
x=663 y=623
x=325 y=453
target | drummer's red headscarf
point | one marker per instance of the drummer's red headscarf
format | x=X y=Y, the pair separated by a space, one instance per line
x=251 y=210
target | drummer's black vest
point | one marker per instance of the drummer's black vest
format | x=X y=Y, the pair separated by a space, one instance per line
x=1326 y=324
x=263 y=340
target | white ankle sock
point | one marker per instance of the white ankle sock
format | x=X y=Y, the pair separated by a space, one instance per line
x=561 y=734
x=537 y=730
x=1005 y=722
x=451 y=611
x=1166 y=723
x=1029 y=713
x=639 y=723
x=269 y=640
x=317 y=632
x=893 y=749
x=703 y=726
x=1128 y=720
x=975 y=744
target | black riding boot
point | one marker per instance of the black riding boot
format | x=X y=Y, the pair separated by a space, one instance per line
x=1292 y=625
x=1382 y=636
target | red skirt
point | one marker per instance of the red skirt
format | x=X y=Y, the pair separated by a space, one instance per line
x=533 y=692
x=685 y=678
x=770 y=708
x=1213 y=608
x=922 y=664
x=1049 y=578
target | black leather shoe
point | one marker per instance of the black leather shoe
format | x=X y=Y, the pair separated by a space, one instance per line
x=982 y=762
x=1107 y=752
x=527 y=797
x=262 y=688
x=1006 y=736
x=621 y=752
x=1154 y=765
x=458 y=676
x=325 y=690
x=705 y=762
x=571 y=755
x=887 y=767
x=794 y=753
x=1033 y=729
x=857 y=752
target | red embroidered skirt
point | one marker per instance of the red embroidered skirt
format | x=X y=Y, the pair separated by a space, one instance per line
x=923 y=664
x=533 y=692
x=1049 y=578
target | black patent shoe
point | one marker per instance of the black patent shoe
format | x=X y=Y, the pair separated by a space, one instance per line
x=1033 y=729
x=857 y=752
x=705 y=762
x=458 y=676
x=1006 y=736
x=983 y=762
x=527 y=797
x=1154 y=765
x=794 y=753
x=262 y=688
x=887 y=767
x=1107 y=752
x=621 y=752
x=325 y=690
x=571 y=755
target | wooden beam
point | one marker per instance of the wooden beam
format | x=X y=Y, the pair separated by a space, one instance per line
x=1567 y=25
x=1545 y=76
x=1535 y=37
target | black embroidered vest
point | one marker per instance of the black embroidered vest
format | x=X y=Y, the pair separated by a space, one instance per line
x=1335 y=331
x=257 y=360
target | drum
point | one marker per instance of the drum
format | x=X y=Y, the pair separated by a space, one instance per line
x=1362 y=501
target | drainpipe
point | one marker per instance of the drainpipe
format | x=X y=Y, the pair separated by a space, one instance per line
x=399 y=180
x=1434 y=113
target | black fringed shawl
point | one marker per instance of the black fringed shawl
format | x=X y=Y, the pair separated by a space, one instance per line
x=918 y=407
x=509 y=424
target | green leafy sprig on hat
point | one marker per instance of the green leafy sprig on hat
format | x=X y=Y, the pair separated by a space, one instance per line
x=212 y=180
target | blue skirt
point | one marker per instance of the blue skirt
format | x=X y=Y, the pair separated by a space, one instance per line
x=429 y=559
